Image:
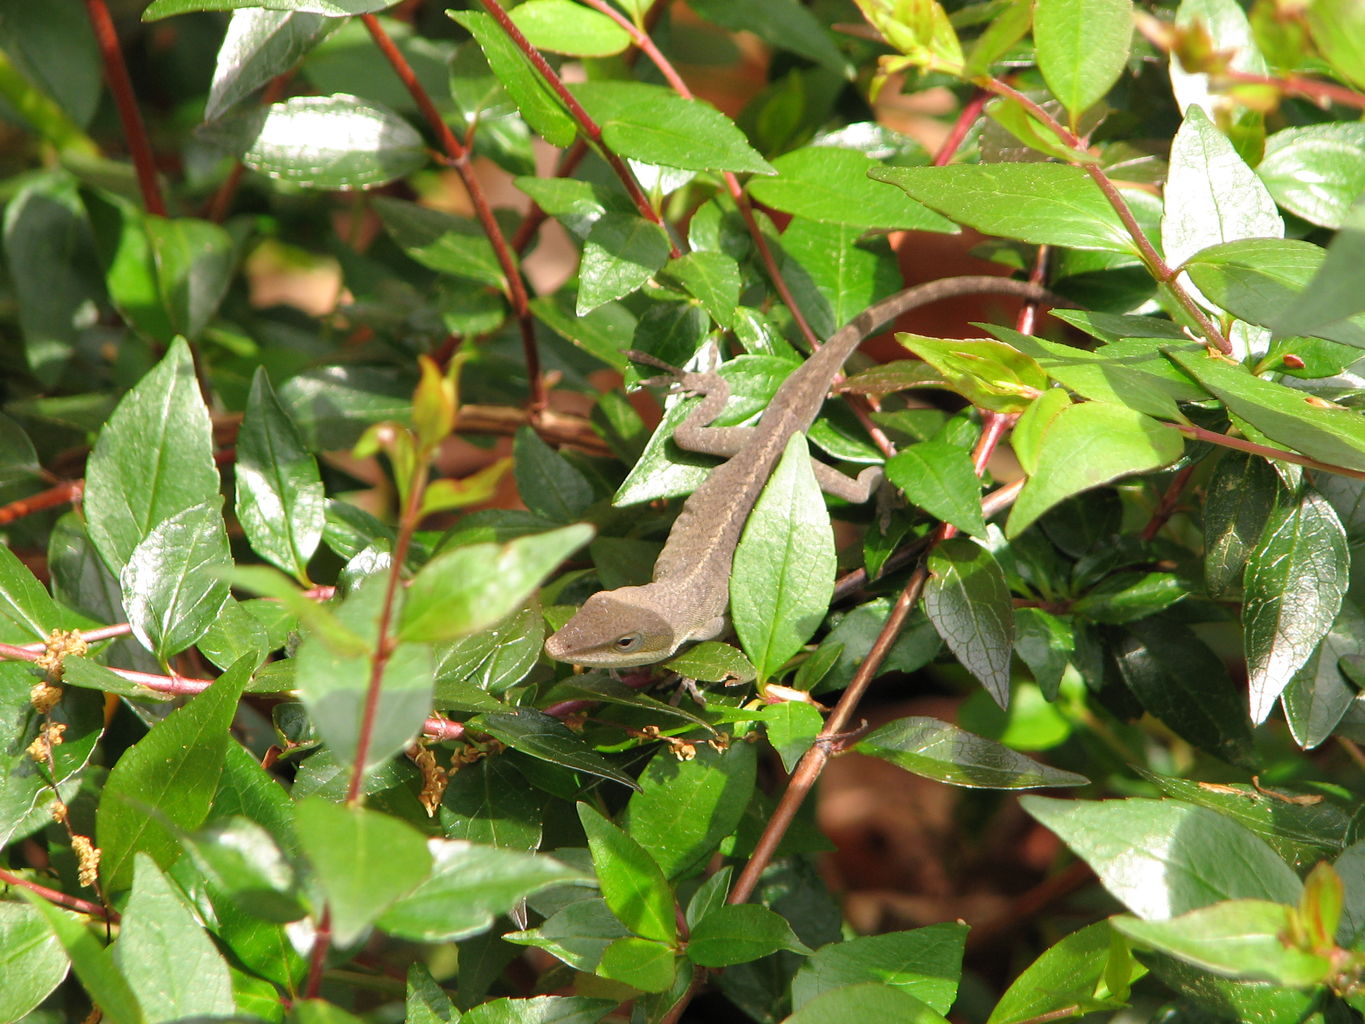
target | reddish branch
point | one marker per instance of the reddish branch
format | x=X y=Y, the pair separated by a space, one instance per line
x=134 y=131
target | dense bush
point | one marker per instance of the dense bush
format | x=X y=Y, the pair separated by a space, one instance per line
x=315 y=323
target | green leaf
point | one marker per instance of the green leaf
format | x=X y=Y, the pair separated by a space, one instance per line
x=968 y=601
x=539 y=105
x=92 y=962
x=470 y=588
x=490 y=802
x=468 y=887
x=336 y=142
x=540 y=1010
x=827 y=183
x=280 y=498
x=943 y=752
x=260 y=44
x=331 y=8
x=792 y=726
x=159 y=929
x=640 y=963
x=441 y=241
x=1241 y=938
x=1332 y=294
x=242 y=861
x=1338 y=30
x=25 y=603
x=1087 y=445
x=783 y=572
x=1082 y=48
x=426 y=1001
x=940 y=478
x=334 y=679
x=1161 y=858
x=536 y=733
x=1212 y=196
x=631 y=882
x=1179 y=680
x=1227 y=26
x=989 y=374
x=577 y=934
x=194 y=262
x=1315 y=171
x=153 y=459
x=492 y=660
x=1046 y=204
x=1242 y=492
x=835 y=271
x=1295 y=580
x=125 y=249
x=31 y=959
x=784 y=24
x=549 y=484
x=683 y=809
x=925 y=963
x=1068 y=977
x=49 y=252
x=655 y=125
x=166 y=781
x=713 y=279
x=712 y=662
x=737 y=934
x=172 y=584
x=363 y=860
x=621 y=252
x=866 y=1002
x=1318 y=696
x=562 y=26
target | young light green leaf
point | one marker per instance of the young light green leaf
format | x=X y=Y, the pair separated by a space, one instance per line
x=968 y=601
x=1042 y=203
x=631 y=882
x=1212 y=196
x=160 y=929
x=1295 y=580
x=792 y=726
x=363 y=860
x=1067 y=977
x=1162 y=857
x=470 y=588
x=166 y=781
x=153 y=458
x=925 y=963
x=172 y=584
x=784 y=564
x=334 y=680
x=31 y=959
x=1087 y=445
x=989 y=374
x=1082 y=48
x=657 y=126
x=541 y=736
x=1338 y=28
x=684 y=808
x=827 y=183
x=280 y=499
x=1226 y=22
x=1239 y=938
x=739 y=933
x=562 y=26
x=468 y=886
x=640 y=963
x=943 y=752
x=939 y=478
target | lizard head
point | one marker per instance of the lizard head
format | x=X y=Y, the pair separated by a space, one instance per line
x=614 y=629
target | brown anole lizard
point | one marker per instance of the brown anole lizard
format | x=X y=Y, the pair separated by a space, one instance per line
x=690 y=592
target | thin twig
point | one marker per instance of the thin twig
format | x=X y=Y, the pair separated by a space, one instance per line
x=61 y=899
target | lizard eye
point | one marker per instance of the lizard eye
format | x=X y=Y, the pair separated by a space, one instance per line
x=628 y=642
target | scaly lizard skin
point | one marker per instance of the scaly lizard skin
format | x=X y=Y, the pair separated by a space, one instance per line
x=688 y=597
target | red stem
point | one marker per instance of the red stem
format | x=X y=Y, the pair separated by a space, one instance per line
x=961 y=127
x=60 y=898
x=134 y=131
x=61 y=494
x=1296 y=85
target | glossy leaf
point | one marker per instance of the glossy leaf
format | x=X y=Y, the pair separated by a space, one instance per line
x=683 y=809
x=943 y=752
x=867 y=1001
x=840 y=269
x=1337 y=28
x=562 y=26
x=1082 y=48
x=1162 y=858
x=968 y=601
x=645 y=964
x=1046 y=204
x=925 y=963
x=258 y=45
x=1065 y=981
x=792 y=726
x=1295 y=580
x=243 y=862
x=1318 y=696
x=826 y=183
x=490 y=802
x=194 y=261
x=939 y=478
x=153 y=459
x=539 y=1010
x=440 y=241
x=91 y=961
x=1242 y=938
x=166 y=781
x=1085 y=446
x=1315 y=171
x=538 y=734
x=363 y=860
x=621 y=252
x=330 y=8
x=159 y=929
x=631 y=882
x=783 y=571
x=989 y=374
x=31 y=958
x=1242 y=492
x=736 y=934
x=1331 y=294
